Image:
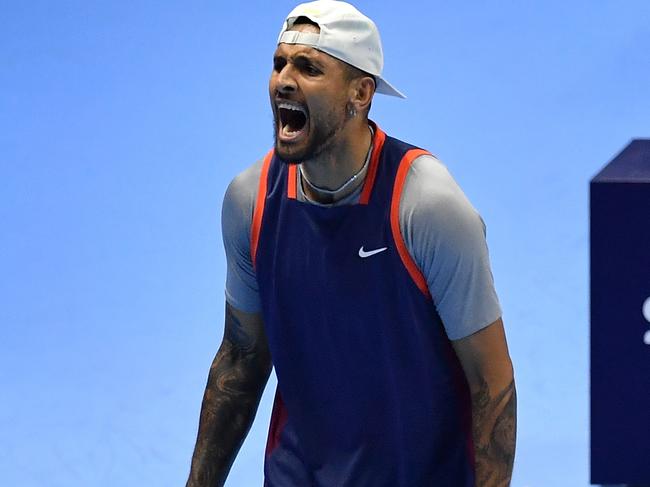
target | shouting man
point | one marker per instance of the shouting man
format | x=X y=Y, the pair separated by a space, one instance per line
x=359 y=270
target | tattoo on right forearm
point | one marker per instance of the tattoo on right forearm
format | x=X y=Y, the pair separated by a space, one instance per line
x=494 y=422
x=235 y=383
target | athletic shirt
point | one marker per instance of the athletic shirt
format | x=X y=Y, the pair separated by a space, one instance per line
x=370 y=392
x=442 y=231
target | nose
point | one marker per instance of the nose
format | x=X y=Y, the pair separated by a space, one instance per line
x=286 y=83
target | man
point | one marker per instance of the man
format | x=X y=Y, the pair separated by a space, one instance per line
x=359 y=270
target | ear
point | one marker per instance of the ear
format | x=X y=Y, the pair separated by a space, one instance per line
x=364 y=90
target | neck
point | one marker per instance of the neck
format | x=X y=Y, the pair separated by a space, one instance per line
x=332 y=170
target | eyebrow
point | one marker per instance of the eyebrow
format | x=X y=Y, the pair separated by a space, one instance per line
x=300 y=58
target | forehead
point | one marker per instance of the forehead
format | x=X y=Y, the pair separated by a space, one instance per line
x=295 y=50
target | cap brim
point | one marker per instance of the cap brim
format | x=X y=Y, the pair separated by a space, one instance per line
x=385 y=88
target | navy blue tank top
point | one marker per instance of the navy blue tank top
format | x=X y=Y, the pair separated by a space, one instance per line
x=370 y=392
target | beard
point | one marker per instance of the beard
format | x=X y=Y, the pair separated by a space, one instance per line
x=320 y=140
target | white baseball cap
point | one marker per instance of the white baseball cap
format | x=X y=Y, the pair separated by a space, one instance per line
x=345 y=33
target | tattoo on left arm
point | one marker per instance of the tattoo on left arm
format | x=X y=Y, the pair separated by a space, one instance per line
x=494 y=424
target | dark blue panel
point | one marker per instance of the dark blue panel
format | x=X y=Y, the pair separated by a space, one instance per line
x=620 y=359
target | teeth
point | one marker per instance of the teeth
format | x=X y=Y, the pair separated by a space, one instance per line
x=289 y=106
x=286 y=131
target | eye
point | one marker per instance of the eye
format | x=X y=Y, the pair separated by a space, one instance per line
x=279 y=63
x=312 y=70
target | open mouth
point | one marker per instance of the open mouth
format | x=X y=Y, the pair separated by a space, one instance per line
x=292 y=120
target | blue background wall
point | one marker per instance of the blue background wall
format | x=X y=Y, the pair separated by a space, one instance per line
x=121 y=124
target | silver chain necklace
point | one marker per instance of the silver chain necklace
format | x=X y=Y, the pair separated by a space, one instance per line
x=334 y=192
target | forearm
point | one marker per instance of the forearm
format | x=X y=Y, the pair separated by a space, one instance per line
x=235 y=384
x=494 y=421
x=230 y=401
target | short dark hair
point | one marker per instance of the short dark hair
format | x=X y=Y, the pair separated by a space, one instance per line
x=305 y=20
x=351 y=72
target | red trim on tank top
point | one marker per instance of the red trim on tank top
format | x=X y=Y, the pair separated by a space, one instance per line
x=371 y=175
x=278 y=422
x=258 y=213
x=407 y=260
x=292 y=181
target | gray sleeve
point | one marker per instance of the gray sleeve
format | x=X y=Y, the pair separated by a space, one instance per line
x=236 y=217
x=446 y=238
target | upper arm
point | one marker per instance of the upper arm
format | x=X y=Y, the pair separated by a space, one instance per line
x=244 y=337
x=236 y=218
x=484 y=357
x=446 y=238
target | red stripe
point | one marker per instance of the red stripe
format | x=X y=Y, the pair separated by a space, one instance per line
x=259 y=206
x=410 y=265
x=378 y=144
x=278 y=421
x=291 y=183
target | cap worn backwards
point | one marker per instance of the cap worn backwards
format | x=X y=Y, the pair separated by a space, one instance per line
x=345 y=33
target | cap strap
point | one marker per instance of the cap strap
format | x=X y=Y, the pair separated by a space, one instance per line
x=297 y=37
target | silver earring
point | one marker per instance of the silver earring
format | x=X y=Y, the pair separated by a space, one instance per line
x=352 y=112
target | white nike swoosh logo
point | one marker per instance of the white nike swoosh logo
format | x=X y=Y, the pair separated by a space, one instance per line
x=363 y=253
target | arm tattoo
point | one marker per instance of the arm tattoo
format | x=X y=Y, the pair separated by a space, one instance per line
x=235 y=384
x=494 y=421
